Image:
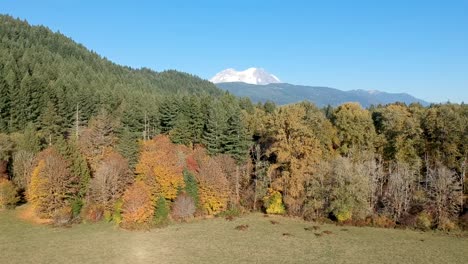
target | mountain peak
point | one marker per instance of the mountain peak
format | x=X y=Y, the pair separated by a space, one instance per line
x=250 y=76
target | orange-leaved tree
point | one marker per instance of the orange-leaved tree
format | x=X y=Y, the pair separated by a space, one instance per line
x=160 y=165
x=137 y=208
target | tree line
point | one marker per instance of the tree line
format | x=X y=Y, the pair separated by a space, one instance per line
x=82 y=138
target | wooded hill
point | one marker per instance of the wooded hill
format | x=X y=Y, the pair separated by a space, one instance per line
x=43 y=73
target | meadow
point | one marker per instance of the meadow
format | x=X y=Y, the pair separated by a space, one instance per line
x=272 y=239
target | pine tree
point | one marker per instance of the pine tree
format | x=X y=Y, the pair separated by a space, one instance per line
x=28 y=140
x=4 y=104
x=191 y=186
x=215 y=125
x=168 y=111
x=51 y=123
x=235 y=140
x=196 y=120
x=181 y=132
x=128 y=146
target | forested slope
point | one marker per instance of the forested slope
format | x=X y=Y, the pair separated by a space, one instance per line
x=42 y=72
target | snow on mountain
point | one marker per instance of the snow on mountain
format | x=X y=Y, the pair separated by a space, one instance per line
x=251 y=76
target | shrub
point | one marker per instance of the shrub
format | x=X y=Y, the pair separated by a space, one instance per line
x=137 y=208
x=409 y=220
x=161 y=212
x=446 y=224
x=424 y=221
x=342 y=215
x=107 y=215
x=233 y=212
x=8 y=194
x=117 y=214
x=463 y=222
x=62 y=216
x=76 y=206
x=94 y=212
x=383 y=222
x=273 y=202
x=184 y=207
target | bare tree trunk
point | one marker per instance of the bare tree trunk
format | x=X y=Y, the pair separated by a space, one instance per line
x=237 y=184
x=145 y=132
x=462 y=196
x=257 y=160
x=77 y=122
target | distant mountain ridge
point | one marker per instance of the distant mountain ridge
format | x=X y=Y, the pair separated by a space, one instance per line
x=284 y=93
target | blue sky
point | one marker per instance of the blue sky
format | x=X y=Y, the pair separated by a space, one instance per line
x=419 y=47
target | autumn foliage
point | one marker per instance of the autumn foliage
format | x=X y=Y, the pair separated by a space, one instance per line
x=213 y=187
x=160 y=166
x=8 y=194
x=52 y=186
x=110 y=180
x=137 y=208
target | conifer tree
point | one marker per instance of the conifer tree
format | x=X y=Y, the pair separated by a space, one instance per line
x=215 y=127
x=128 y=146
x=168 y=111
x=235 y=140
x=4 y=104
x=51 y=123
x=181 y=132
x=191 y=186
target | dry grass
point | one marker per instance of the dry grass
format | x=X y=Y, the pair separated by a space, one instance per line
x=217 y=241
x=26 y=213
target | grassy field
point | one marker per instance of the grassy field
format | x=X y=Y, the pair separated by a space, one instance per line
x=217 y=241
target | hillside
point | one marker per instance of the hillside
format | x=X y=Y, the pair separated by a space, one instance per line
x=40 y=69
x=284 y=93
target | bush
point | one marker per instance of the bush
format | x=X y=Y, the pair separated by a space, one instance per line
x=161 y=212
x=424 y=221
x=8 y=194
x=62 y=216
x=76 y=206
x=94 y=212
x=343 y=215
x=184 y=207
x=383 y=222
x=463 y=222
x=273 y=202
x=117 y=214
x=233 y=212
x=107 y=215
x=409 y=220
x=446 y=224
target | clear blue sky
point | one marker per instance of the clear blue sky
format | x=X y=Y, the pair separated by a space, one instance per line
x=419 y=47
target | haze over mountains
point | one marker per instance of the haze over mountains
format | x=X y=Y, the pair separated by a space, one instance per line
x=261 y=86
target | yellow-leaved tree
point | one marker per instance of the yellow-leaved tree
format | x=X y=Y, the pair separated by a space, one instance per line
x=213 y=187
x=297 y=151
x=52 y=186
x=160 y=165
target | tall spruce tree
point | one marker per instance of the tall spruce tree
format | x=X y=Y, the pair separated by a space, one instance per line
x=215 y=127
x=235 y=141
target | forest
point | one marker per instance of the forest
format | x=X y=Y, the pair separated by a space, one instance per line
x=85 y=140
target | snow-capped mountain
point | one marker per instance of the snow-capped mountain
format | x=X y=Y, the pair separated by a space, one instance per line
x=256 y=76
